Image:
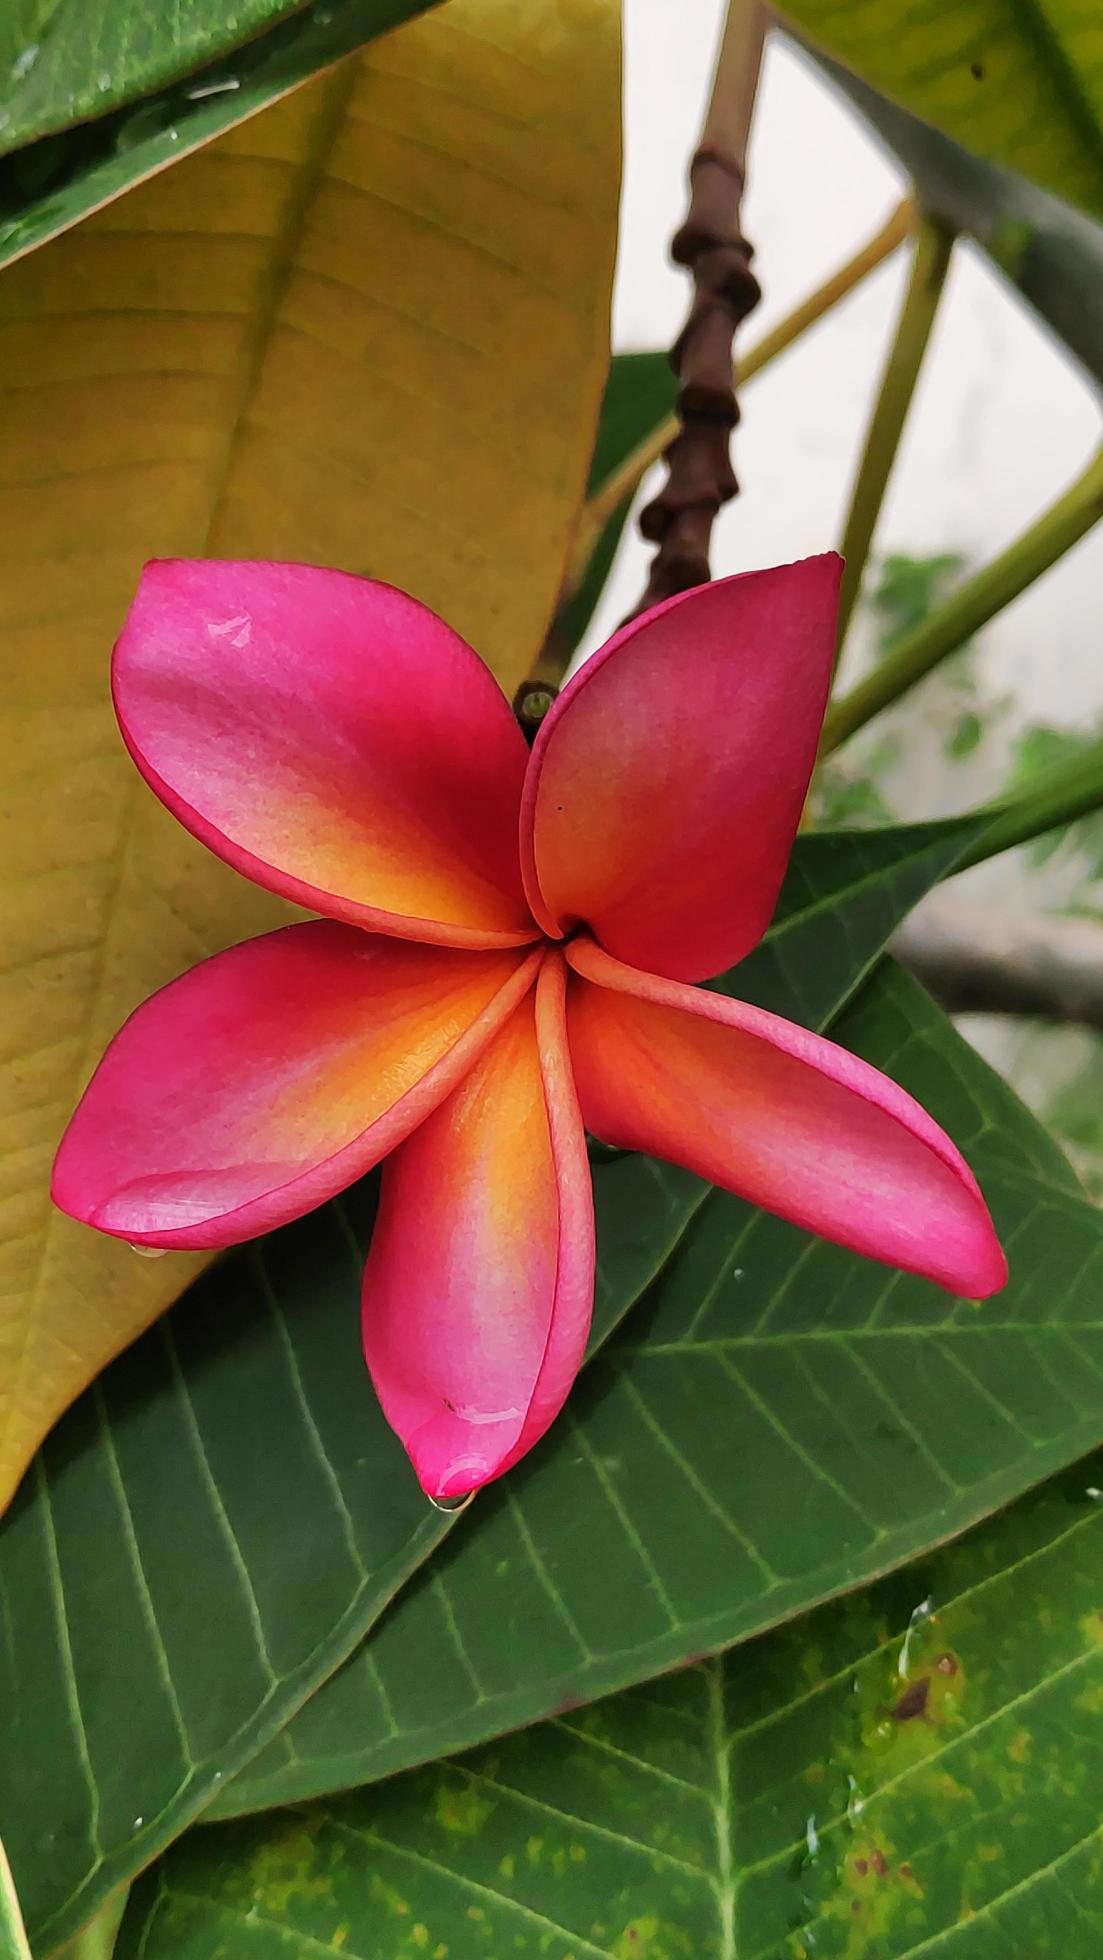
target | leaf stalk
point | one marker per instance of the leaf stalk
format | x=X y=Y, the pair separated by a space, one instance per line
x=918 y=652
x=930 y=264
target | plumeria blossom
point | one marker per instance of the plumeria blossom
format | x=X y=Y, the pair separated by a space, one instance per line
x=506 y=958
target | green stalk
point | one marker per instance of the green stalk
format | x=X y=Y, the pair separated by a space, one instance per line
x=917 y=652
x=933 y=245
x=1068 y=791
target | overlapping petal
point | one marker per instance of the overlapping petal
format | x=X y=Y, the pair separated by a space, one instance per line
x=268 y=1078
x=331 y=738
x=778 y=1115
x=666 y=784
x=479 y=1282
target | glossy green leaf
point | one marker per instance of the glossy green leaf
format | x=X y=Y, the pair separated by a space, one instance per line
x=1051 y=253
x=640 y=392
x=1019 y=82
x=911 y=1771
x=221 y=1517
x=778 y=1420
x=55 y=182
x=58 y=65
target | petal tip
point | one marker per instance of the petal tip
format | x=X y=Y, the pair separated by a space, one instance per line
x=989 y=1273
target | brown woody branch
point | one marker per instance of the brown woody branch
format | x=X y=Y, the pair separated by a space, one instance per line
x=712 y=247
x=987 y=960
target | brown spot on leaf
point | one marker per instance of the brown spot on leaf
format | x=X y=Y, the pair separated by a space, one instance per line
x=913 y=1701
x=878 y=1861
x=948 y=1664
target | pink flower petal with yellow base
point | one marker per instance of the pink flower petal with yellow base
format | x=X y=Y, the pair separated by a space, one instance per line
x=479 y=1282
x=332 y=739
x=270 y=1077
x=668 y=779
x=778 y=1115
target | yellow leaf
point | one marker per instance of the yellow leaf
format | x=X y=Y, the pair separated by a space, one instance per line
x=368 y=329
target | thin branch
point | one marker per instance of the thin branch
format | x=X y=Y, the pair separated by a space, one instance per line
x=984 y=959
x=916 y=653
x=710 y=244
x=623 y=481
x=930 y=264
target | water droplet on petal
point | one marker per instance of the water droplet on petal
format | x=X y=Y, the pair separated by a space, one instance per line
x=452 y=1506
x=239 y=630
x=148 y=1251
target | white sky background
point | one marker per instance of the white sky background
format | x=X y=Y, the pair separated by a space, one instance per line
x=1001 y=421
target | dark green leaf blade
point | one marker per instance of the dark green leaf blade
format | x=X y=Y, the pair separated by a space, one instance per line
x=909 y=1770
x=215 y=1526
x=777 y=1421
x=53 y=183
x=58 y=67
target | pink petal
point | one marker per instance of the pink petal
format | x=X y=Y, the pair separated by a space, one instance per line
x=268 y=1078
x=332 y=739
x=666 y=784
x=779 y=1116
x=479 y=1282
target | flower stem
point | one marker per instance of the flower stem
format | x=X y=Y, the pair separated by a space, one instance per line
x=933 y=246
x=622 y=482
x=917 y=652
x=1062 y=794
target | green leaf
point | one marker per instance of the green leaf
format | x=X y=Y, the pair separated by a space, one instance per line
x=1051 y=253
x=909 y=1771
x=640 y=392
x=96 y=1940
x=221 y=1517
x=13 y=1939
x=55 y=182
x=1019 y=82
x=54 y=72
x=778 y=1420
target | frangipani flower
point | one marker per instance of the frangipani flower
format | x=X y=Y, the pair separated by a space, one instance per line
x=507 y=959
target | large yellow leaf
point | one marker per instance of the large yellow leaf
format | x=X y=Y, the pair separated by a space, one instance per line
x=370 y=329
